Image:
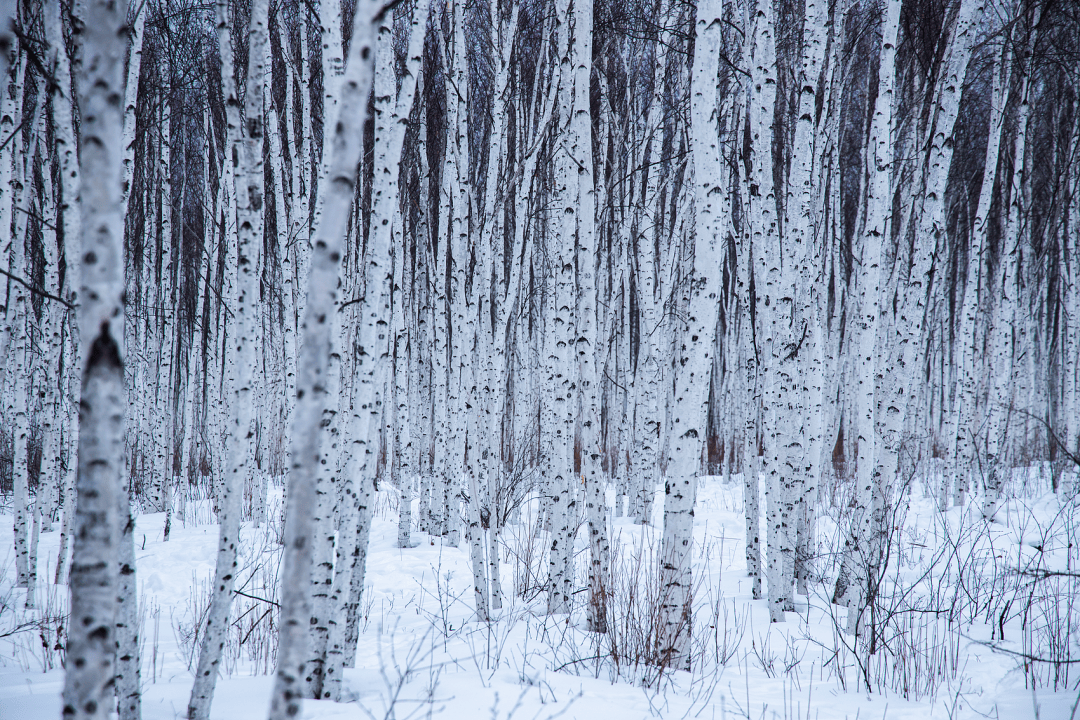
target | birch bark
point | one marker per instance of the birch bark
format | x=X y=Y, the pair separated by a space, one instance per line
x=19 y=334
x=299 y=218
x=67 y=149
x=964 y=415
x=345 y=145
x=1071 y=261
x=403 y=459
x=803 y=192
x=1001 y=395
x=649 y=370
x=564 y=515
x=585 y=344
x=72 y=392
x=131 y=97
x=347 y=547
x=326 y=512
x=775 y=300
x=930 y=232
x=749 y=360
x=42 y=365
x=460 y=381
x=128 y=682
x=88 y=681
x=20 y=391
x=857 y=550
x=694 y=358
x=11 y=105
x=247 y=152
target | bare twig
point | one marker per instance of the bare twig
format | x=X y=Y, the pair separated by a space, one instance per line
x=37 y=291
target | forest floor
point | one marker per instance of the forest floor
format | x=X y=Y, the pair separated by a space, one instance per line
x=421 y=653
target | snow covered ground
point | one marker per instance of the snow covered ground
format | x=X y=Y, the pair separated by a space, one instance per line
x=421 y=655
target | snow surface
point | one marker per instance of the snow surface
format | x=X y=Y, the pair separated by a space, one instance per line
x=421 y=654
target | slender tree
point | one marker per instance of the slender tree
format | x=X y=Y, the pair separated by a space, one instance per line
x=88 y=681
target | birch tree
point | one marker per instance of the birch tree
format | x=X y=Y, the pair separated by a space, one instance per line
x=694 y=361
x=247 y=149
x=858 y=562
x=774 y=308
x=88 y=680
x=800 y=241
x=562 y=487
x=323 y=281
x=1001 y=398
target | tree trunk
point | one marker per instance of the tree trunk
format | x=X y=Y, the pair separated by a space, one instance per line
x=329 y=236
x=91 y=648
x=694 y=354
x=249 y=176
x=858 y=559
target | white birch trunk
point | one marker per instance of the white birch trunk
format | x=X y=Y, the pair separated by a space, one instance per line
x=66 y=148
x=440 y=372
x=752 y=416
x=647 y=375
x=31 y=569
x=19 y=365
x=694 y=359
x=343 y=572
x=803 y=189
x=53 y=417
x=477 y=558
x=131 y=97
x=345 y=146
x=857 y=548
x=963 y=416
x=17 y=409
x=357 y=565
x=420 y=373
x=460 y=381
x=775 y=298
x=299 y=218
x=1071 y=357
x=324 y=521
x=40 y=363
x=586 y=345
x=91 y=646
x=73 y=390
x=404 y=469
x=128 y=682
x=1004 y=332
x=564 y=515
x=249 y=194
x=161 y=427
x=11 y=105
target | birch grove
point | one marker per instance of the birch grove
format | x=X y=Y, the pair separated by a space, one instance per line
x=521 y=271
